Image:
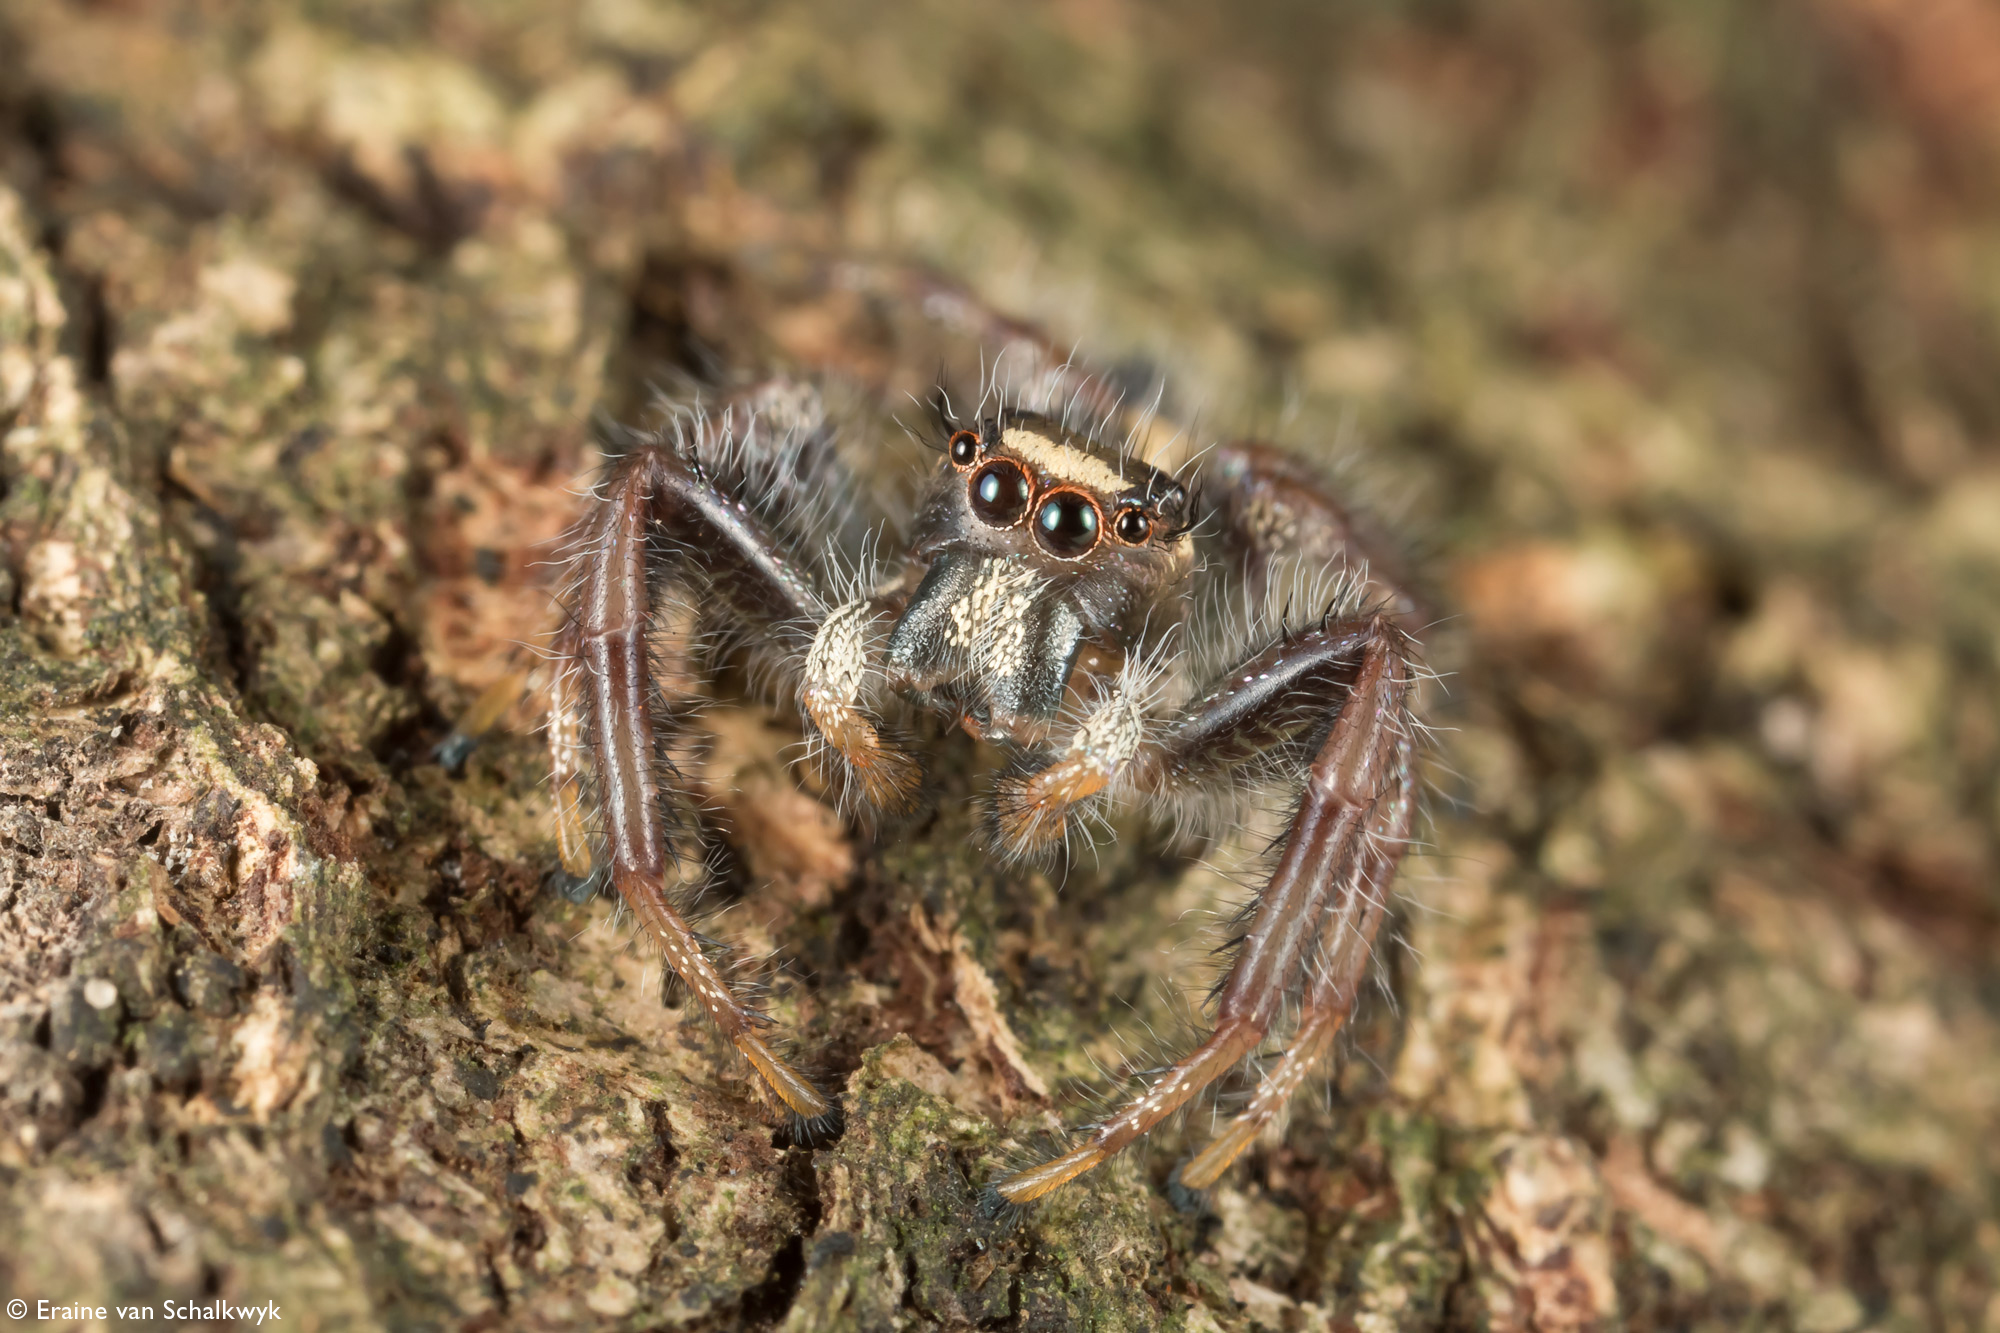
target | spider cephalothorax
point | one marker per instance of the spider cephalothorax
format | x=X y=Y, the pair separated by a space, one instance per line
x=1044 y=600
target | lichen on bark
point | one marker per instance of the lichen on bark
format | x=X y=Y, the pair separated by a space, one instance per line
x=1662 y=337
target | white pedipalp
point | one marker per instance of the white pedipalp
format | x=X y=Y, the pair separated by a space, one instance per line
x=837 y=663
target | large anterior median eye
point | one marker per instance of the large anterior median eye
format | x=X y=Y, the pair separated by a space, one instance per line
x=1066 y=525
x=1000 y=493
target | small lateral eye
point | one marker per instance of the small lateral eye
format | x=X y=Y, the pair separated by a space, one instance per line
x=1066 y=525
x=1132 y=526
x=964 y=448
x=1000 y=493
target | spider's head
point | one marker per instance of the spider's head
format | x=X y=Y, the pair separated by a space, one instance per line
x=1024 y=485
x=1034 y=539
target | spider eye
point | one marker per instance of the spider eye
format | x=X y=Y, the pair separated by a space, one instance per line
x=1000 y=492
x=1132 y=526
x=1066 y=525
x=964 y=448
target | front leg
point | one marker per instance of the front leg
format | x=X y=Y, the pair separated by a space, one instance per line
x=1319 y=911
x=1237 y=733
x=648 y=489
x=1284 y=539
x=699 y=509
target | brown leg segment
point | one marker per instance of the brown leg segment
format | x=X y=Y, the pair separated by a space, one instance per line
x=1344 y=952
x=1329 y=859
x=609 y=634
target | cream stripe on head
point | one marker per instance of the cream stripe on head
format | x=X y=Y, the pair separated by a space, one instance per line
x=1059 y=462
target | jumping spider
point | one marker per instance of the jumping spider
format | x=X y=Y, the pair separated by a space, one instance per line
x=1044 y=601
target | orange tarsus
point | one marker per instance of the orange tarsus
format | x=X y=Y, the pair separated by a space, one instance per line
x=791 y=1086
x=1031 y=811
x=890 y=780
x=485 y=713
x=1031 y=1184
x=492 y=704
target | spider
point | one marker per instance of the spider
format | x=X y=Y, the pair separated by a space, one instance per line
x=1056 y=596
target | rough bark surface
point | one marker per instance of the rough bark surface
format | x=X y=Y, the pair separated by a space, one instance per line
x=1666 y=336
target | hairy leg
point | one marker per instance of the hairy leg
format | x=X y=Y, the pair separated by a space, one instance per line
x=1345 y=947
x=609 y=633
x=1233 y=730
x=843 y=666
x=1355 y=787
x=679 y=510
x=568 y=759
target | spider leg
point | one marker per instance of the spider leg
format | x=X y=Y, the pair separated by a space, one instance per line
x=1281 y=533
x=1355 y=785
x=471 y=726
x=567 y=759
x=655 y=497
x=1256 y=704
x=1344 y=950
x=845 y=658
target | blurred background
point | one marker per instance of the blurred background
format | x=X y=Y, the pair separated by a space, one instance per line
x=1665 y=337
